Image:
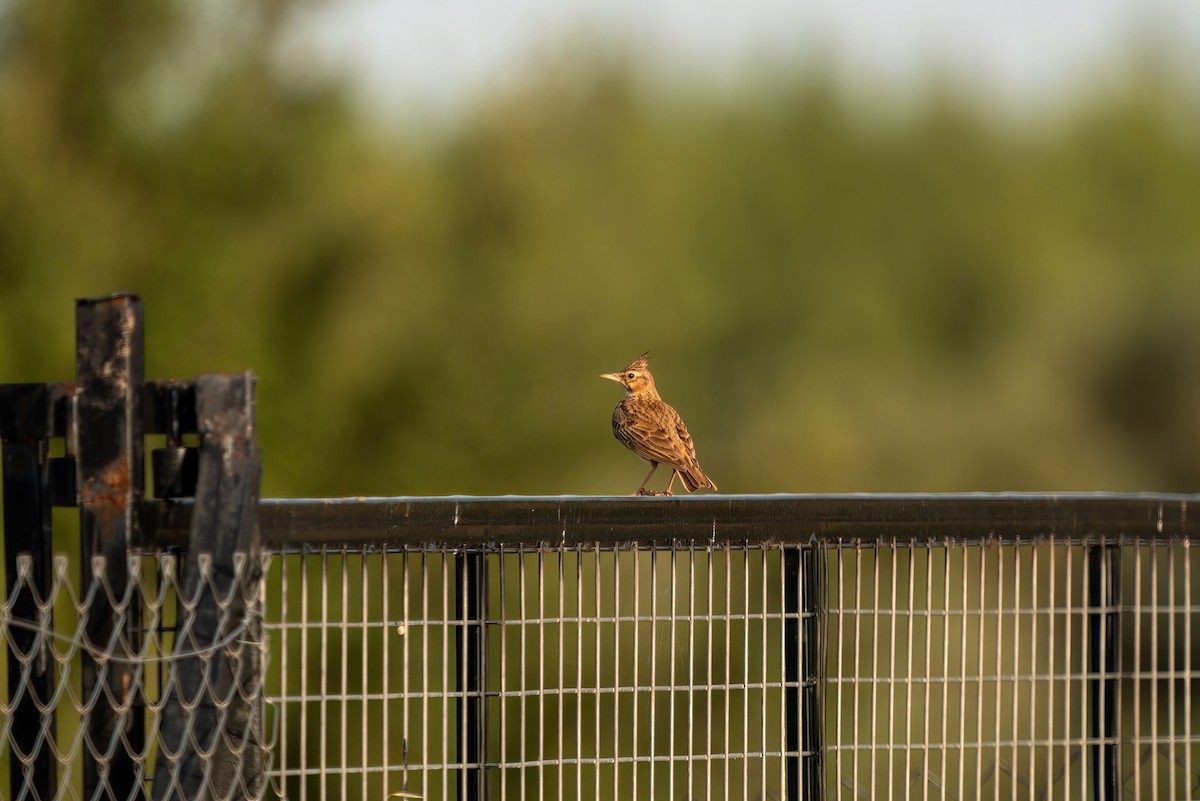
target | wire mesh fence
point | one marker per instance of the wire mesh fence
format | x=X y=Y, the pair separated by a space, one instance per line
x=482 y=663
x=1042 y=669
x=615 y=672
x=176 y=693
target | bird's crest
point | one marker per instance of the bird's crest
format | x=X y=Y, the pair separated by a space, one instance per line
x=640 y=362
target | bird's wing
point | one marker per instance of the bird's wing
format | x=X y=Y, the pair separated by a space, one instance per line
x=660 y=438
x=685 y=440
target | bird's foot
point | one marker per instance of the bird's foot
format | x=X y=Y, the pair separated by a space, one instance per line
x=668 y=493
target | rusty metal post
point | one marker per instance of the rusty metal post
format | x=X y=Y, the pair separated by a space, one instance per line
x=109 y=371
x=211 y=743
x=25 y=426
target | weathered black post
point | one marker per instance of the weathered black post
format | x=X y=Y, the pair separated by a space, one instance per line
x=109 y=366
x=471 y=600
x=801 y=650
x=210 y=735
x=1104 y=598
x=26 y=423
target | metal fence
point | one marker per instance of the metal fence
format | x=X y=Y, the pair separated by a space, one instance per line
x=514 y=671
x=1008 y=647
x=199 y=643
x=737 y=647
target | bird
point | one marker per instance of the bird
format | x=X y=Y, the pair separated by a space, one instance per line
x=651 y=428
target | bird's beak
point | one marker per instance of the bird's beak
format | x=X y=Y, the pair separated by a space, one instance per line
x=612 y=377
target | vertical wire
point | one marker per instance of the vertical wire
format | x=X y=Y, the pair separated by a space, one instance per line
x=908 y=684
x=691 y=726
x=1187 y=669
x=1152 y=731
x=616 y=670
x=872 y=753
x=1137 y=669
x=305 y=662
x=365 y=675
x=1171 y=699
x=541 y=673
x=708 y=673
x=852 y=679
x=983 y=549
x=1051 y=748
x=1033 y=669
x=1068 y=660
x=406 y=633
x=653 y=656
x=838 y=758
x=728 y=666
x=385 y=669
x=762 y=696
x=522 y=673
x=962 y=671
x=671 y=685
x=1000 y=680
x=426 y=624
x=447 y=694
x=746 y=669
x=579 y=673
x=1016 y=692
x=786 y=693
x=928 y=666
x=502 y=615
x=637 y=663
x=597 y=633
x=944 y=779
x=802 y=609
x=323 y=717
x=462 y=628
x=891 y=715
x=1106 y=577
x=344 y=671
x=562 y=647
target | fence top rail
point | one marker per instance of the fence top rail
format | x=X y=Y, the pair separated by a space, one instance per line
x=569 y=521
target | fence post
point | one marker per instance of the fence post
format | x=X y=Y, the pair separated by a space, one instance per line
x=109 y=366
x=471 y=600
x=25 y=416
x=1104 y=598
x=801 y=649
x=211 y=743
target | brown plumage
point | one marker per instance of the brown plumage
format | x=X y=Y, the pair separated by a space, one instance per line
x=651 y=428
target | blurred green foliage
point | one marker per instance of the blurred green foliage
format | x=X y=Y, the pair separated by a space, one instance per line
x=841 y=295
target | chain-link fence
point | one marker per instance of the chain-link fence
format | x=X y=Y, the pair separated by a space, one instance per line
x=170 y=705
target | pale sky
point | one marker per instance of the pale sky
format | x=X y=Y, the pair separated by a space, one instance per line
x=433 y=55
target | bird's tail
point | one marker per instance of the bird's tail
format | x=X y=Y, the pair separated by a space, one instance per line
x=694 y=479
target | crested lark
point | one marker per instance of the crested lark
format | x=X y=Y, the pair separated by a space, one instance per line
x=651 y=428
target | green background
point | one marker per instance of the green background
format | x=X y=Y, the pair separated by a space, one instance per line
x=843 y=291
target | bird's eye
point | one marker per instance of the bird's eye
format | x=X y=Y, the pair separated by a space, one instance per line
x=629 y=375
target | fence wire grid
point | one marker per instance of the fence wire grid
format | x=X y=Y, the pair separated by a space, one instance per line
x=842 y=668
x=598 y=672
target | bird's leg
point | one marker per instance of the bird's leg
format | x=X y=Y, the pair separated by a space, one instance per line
x=642 y=489
x=671 y=483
